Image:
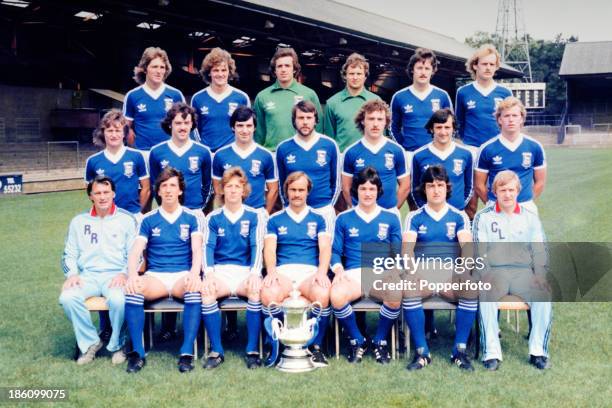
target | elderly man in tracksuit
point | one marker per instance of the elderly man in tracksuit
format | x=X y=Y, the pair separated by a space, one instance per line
x=510 y=237
x=95 y=264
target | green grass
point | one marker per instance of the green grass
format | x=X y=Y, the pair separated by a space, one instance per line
x=36 y=339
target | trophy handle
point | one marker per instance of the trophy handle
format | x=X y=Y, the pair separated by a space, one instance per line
x=271 y=306
x=319 y=305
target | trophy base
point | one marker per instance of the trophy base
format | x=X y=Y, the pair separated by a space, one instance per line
x=295 y=360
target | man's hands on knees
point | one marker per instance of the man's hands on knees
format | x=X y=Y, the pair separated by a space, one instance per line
x=118 y=281
x=253 y=284
x=134 y=285
x=72 y=282
x=193 y=283
x=339 y=276
x=321 y=279
x=272 y=278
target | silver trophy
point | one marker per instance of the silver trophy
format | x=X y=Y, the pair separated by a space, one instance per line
x=295 y=332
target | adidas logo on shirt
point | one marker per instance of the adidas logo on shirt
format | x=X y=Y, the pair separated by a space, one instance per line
x=141 y=107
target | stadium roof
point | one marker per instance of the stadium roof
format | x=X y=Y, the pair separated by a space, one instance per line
x=587 y=58
x=344 y=18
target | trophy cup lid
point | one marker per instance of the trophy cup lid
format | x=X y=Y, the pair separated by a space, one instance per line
x=295 y=301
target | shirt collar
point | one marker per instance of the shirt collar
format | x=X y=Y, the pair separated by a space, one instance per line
x=345 y=94
x=365 y=216
x=512 y=146
x=94 y=213
x=374 y=148
x=291 y=87
x=420 y=95
x=244 y=153
x=442 y=154
x=114 y=158
x=436 y=215
x=297 y=217
x=154 y=93
x=306 y=145
x=517 y=208
x=233 y=216
x=179 y=151
x=219 y=97
x=171 y=217
x=484 y=91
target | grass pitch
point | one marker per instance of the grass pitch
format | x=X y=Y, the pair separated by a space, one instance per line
x=37 y=343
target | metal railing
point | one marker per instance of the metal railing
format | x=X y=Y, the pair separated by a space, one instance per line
x=62 y=143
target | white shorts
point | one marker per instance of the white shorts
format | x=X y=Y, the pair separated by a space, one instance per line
x=530 y=205
x=329 y=214
x=297 y=273
x=232 y=276
x=354 y=275
x=168 y=279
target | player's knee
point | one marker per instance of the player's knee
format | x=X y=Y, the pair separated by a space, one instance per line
x=115 y=299
x=338 y=296
x=70 y=297
x=393 y=304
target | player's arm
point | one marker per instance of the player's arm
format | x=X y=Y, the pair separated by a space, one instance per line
x=347 y=182
x=260 y=115
x=206 y=176
x=539 y=181
x=69 y=258
x=460 y=114
x=256 y=235
x=271 y=195
x=480 y=185
x=335 y=174
x=329 y=122
x=468 y=180
x=193 y=281
x=403 y=179
x=396 y=121
x=337 y=251
x=282 y=174
x=210 y=244
x=145 y=192
x=315 y=99
x=132 y=285
x=270 y=260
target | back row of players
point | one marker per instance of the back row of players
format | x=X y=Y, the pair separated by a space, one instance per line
x=356 y=120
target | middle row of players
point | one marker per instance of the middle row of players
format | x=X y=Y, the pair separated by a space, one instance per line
x=318 y=156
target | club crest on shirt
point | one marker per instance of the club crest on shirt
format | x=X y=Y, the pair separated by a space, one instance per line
x=164 y=163
x=290 y=159
x=297 y=99
x=232 y=107
x=359 y=162
x=471 y=104
x=526 y=160
x=204 y=110
x=312 y=229
x=221 y=232
x=142 y=107
x=389 y=161
x=184 y=234
x=383 y=231
x=168 y=102
x=321 y=158
x=408 y=108
x=128 y=169
x=435 y=105
x=255 y=167
x=156 y=232
x=100 y=172
x=353 y=232
x=244 y=228
x=457 y=166
x=194 y=166
x=451 y=228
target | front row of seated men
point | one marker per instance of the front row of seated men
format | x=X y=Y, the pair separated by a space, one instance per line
x=104 y=249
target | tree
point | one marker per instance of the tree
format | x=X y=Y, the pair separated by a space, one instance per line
x=545 y=58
